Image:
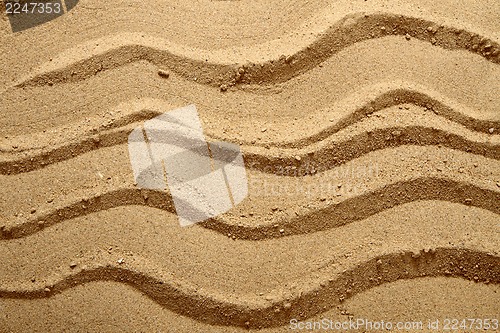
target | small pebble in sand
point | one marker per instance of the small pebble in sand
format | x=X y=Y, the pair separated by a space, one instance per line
x=468 y=201
x=282 y=231
x=263 y=130
x=163 y=73
x=287 y=305
x=72 y=264
x=297 y=158
x=432 y=29
x=407 y=36
x=33 y=211
x=120 y=261
x=47 y=290
x=396 y=133
x=491 y=130
x=223 y=87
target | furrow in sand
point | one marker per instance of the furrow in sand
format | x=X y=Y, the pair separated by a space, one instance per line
x=38 y=149
x=230 y=67
x=285 y=276
x=127 y=309
x=352 y=191
x=250 y=312
x=350 y=138
x=216 y=25
x=350 y=81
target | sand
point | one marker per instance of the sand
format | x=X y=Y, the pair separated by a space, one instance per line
x=370 y=135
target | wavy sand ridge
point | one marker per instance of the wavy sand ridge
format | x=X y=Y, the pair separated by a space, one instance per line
x=230 y=67
x=105 y=180
x=92 y=134
x=346 y=210
x=380 y=302
x=368 y=127
x=341 y=267
x=289 y=24
x=242 y=113
x=257 y=313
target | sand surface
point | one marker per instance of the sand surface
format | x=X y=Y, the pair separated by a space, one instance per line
x=370 y=136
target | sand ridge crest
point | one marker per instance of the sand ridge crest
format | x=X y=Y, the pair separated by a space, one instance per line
x=237 y=66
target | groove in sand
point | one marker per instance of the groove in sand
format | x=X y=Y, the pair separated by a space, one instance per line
x=250 y=311
x=379 y=302
x=457 y=180
x=118 y=50
x=347 y=209
x=298 y=97
x=349 y=138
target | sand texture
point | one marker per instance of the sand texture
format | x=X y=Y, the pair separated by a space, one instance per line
x=370 y=133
